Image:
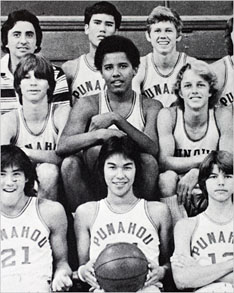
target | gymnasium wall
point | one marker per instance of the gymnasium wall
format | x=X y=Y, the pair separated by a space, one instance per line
x=63 y=28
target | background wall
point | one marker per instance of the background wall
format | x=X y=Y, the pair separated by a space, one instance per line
x=63 y=33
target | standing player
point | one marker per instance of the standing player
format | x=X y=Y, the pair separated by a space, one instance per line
x=36 y=125
x=33 y=243
x=158 y=70
x=225 y=68
x=187 y=133
x=121 y=216
x=102 y=19
x=203 y=256
x=115 y=112
x=21 y=34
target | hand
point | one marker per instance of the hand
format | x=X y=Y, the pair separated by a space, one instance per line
x=105 y=134
x=155 y=274
x=186 y=184
x=100 y=121
x=62 y=280
x=181 y=261
x=88 y=274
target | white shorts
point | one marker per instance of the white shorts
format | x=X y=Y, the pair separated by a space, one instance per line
x=219 y=287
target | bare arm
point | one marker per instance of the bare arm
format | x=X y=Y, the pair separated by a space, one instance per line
x=8 y=127
x=138 y=79
x=218 y=68
x=192 y=274
x=69 y=69
x=50 y=211
x=166 y=122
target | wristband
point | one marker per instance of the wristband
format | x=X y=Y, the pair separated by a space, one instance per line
x=79 y=273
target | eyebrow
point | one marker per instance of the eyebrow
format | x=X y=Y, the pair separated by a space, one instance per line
x=127 y=164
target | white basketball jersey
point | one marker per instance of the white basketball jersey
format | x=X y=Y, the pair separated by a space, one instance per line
x=212 y=242
x=160 y=86
x=227 y=95
x=44 y=140
x=135 y=116
x=87 y=81
x=26 y=255
x=134 y=226
x=187 y=147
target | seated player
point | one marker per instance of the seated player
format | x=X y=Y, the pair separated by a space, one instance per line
x=158 y=69
x=187 y=133
x=203 y=256
x=102 y=19
x=224 y=69
x=36 y=125
x=21 y=34
x=133 y=220
x=115 y=112
x=33 y=231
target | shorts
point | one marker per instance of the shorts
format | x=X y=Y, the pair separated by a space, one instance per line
x=219 y=287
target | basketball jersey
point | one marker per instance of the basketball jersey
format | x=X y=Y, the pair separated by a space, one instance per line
x=159 y=86
x=87 y=80
x=135 y=116
x=26 y=255
x=134 y=226
x=227 y=95
x=212 y=242
x=46 y=139
x=187 y=147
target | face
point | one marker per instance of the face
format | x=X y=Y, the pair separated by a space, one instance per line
x=163 y=37
x=32 y=88
x=21 y=39
x=117 y=72
x=195 y=91
x=119 y=173
x=219 y=185
x=100 y=27
x=12 y=185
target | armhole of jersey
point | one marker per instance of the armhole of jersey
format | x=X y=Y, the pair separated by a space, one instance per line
x=52 y=110
x=215 y=121
x=97 y=208
x=195 y=227
x=175 y=120
x=145 y=75
x=141 y=109
x=76 y=72
x=148 y=215
x=225 y=75
x=15 y=138
x=39 y=214
x=101 y=95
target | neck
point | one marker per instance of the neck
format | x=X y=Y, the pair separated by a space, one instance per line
x=125 y=200
x=37 y=111
x=196 y=116
x=121 y=97
x=15 y=209
x=224 y=210
x=13 y=62
x=165 y=60
x=90 y=56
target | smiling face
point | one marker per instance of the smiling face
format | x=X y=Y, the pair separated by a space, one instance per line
x=219 y=185
x=100 y=27
x=12 y=186
x=119 y=174
x=117 y=72
x=33 y=89
x=21 y=39
x=195 y=91
x=163 y=37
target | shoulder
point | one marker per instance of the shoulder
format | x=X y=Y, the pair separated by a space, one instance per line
x=86 y=212
x=190 y=58
x=159 y=212
x=148 y=104
x=168 y=114
x=88 y=103
x=61 y=112
x=185 y=226
x=10 y=119
x=70 y=66
x=223 y=116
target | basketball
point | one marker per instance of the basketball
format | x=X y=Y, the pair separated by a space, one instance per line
x=121 y=267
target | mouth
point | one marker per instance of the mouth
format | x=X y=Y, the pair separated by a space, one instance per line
x=221 y=190
x=119 y=183
x=9 y=190
x=101 y=37
x=163 y=43
x=195 y=98
x=117 y=82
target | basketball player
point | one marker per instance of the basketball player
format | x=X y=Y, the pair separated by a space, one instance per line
x=203 y=256
x=187 y=133
x=121 y=216
x=225 y=68
x=102 y=19
x=158 y=69
x=33 y=243
x=36 y=125
x=115 y=112
x=21 y=34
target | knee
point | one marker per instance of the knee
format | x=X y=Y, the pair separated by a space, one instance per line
x=70 y=165
x=48 y=172
x=150 y=164
x=167 y=183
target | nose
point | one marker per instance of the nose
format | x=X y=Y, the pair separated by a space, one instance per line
x=221 y=179
x=194 y=89
x=116 y=71
x=23 y=39
x=33 y=80
x=102 y=27
x=120 y=173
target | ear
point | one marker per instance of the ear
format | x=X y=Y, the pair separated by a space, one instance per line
x=135 y=70
x=86 y=29
x=147 y=35
x=178 y=39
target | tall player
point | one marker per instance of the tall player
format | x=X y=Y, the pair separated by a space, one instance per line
x=21 y=34
x=158 y=70
x=102 y=19
x=225 y=68
x=132 y=220
x=187 y=133
x=115 y=112
x=203 y=256
x=33 y=243
x=36 y=125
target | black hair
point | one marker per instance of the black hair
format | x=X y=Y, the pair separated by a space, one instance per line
x=12 y=155
x=42 y=69
x=227 y=36
x=103 y=7
x=224 y=161
x=113 y=44
x=20 y=15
